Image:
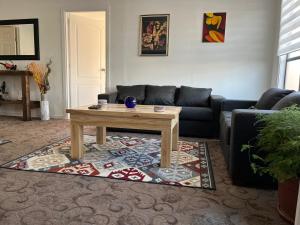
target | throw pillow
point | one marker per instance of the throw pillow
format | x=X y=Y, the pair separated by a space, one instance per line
x=271 y=97
x=289 y=100
x=137 y=91
x=160 y=95
x=197 y=97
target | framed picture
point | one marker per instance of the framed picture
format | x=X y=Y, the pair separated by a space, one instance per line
x=154 y=35
x=214 y=27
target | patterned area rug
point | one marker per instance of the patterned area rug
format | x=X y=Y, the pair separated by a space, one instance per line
x=2 y=142
x=126 y=158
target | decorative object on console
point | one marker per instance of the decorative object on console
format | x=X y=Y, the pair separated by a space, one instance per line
x=130 y=102
x=9 y=66
x=278 y=155
x=41 y=74
x=154 y=35
x=214 y=27
x=3 y=91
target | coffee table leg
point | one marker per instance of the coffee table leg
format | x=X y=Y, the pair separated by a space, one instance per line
x=101 y=135
x=76 y=141
x=166 y=146
x=175 y=137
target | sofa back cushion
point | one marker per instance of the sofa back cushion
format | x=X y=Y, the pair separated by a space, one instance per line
x=194 y=97
x=271 y=97
x=289 y=100
x=137 y=91
x=160 y=95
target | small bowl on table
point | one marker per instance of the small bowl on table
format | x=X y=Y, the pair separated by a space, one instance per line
x=102 y=102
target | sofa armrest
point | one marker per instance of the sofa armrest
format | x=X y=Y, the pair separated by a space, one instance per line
x=216 y=102
x=110 y=97
x=230 y=104
x=244 y=129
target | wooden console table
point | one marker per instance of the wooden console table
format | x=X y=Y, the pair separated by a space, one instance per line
x=27 y=104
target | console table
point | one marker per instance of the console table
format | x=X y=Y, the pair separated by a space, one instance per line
x=27 y=104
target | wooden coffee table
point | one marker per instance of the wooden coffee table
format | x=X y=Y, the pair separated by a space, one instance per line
x=118 y=116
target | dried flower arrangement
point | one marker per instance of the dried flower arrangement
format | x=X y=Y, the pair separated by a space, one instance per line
x=40 y=75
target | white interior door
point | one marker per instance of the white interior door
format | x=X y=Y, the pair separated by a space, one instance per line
x=85 y=60
x=8 y=45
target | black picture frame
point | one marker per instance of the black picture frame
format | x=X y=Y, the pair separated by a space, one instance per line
x=163 y=48
x=35 y=23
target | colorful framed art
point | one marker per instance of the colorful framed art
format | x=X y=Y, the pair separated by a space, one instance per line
x=154 y=35
x=214 y=27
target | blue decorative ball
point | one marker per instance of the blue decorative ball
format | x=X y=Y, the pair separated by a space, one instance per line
x=130 y=102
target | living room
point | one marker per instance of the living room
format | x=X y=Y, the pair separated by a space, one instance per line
x=186 y=98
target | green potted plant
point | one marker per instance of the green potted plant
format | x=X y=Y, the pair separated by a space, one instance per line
x=277 y=152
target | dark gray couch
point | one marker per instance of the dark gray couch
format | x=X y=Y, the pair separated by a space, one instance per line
x=200 y=110
x=238 y=126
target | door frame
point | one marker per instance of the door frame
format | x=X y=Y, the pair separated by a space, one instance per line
x=65 y=53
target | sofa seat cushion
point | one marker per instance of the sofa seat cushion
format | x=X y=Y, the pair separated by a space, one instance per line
x=271 y=97
x=194 y=97
x=196 y=114
x=137 y=91
x=287 y=101
x=160 y=95
x=225 y=126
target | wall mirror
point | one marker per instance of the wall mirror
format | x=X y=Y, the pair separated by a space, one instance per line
x=19 y=39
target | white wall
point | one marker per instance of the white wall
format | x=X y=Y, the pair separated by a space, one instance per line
x=240 y=68
x=49 y=13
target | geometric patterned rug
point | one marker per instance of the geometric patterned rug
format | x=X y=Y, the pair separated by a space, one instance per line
x=126 y=158
x=2 y=142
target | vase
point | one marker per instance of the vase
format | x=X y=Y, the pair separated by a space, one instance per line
x=45 y=115
x=130 y=102
x=287 y=199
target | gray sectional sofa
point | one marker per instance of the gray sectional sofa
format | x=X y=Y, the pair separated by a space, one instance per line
x=200 y=110
x=238 y=126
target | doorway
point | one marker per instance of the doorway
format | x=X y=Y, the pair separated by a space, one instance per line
x=85 y=57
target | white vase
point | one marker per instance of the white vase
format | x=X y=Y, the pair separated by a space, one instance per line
x=45 y=115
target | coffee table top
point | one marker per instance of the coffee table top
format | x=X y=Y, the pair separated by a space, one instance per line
x=120 y=110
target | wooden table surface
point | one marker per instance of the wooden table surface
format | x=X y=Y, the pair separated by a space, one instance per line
x=120 y=110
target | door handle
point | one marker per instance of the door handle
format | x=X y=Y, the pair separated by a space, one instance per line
x=102 y=70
